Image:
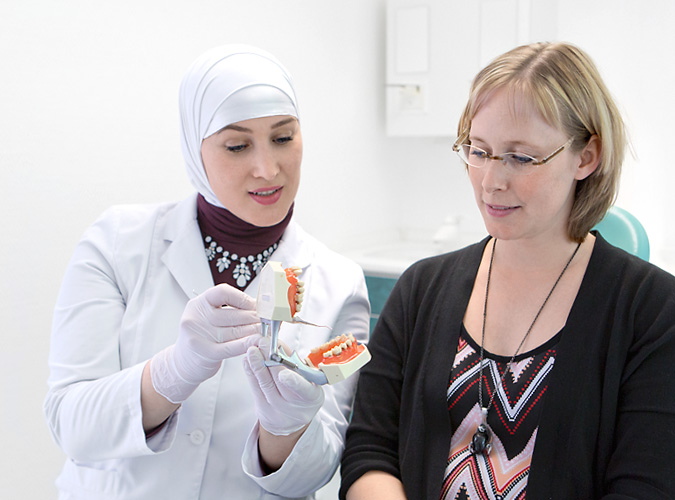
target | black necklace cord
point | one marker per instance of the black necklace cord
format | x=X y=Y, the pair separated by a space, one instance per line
x=482 y=431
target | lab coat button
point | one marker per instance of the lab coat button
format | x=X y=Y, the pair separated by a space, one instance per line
x=197 y=437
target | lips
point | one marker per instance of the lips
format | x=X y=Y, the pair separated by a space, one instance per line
x=500 y=210
x=266 y=196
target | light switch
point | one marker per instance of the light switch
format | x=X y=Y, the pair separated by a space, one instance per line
x=411 y=98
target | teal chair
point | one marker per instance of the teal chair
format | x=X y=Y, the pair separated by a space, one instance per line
x=623 y=230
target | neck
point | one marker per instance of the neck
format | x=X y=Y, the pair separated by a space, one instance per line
x=235 y=249
x=224 y=225
x=529 y=255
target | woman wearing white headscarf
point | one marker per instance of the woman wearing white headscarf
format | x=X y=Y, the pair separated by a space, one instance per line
x=155 y=390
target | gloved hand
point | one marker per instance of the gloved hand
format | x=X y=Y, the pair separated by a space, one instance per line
x=218 y=324
x=284 y=401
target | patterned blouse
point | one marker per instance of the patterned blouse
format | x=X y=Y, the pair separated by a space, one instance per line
x=513 y=420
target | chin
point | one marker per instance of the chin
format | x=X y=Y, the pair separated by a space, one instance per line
x=500 y=232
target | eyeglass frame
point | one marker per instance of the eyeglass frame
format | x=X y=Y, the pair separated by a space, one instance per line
x=489 y=157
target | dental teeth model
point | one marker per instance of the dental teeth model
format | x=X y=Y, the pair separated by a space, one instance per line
x=280 y=296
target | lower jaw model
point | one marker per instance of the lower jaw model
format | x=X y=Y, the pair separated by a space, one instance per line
x=280 y=296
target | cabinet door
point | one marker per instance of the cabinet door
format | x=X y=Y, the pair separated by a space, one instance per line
x=432 y=54
x=436 y=47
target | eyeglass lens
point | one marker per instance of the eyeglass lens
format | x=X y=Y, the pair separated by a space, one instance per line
x=515 y=162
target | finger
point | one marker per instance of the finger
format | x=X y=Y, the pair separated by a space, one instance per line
x=294 y=387
x=286 y=349
x=225 y=294
x=234 y=348
x=264 y=344
x=256 y=391
x=262 y=374
x=229 y=316
x=231 y=333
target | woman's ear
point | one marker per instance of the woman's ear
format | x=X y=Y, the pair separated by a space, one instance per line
x=589 y=160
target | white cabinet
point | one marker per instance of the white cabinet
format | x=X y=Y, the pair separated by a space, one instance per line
x=435 y=48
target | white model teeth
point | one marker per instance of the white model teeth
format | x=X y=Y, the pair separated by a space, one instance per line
x=343 y=342
x=300 y=288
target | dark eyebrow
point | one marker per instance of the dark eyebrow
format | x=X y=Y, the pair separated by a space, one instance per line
x=248 y=130
x=283 y=122
x=237 y=128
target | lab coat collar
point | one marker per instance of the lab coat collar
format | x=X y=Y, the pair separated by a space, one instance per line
x=184 y=241
x=185 y=244
x=293 y=249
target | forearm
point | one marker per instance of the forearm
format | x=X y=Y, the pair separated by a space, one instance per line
x=99 y=419
x=376 y=485
x=274 y=450
x=155 y=407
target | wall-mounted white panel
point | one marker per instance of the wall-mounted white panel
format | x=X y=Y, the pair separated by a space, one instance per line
x=428 y=102
x=435 y=48
x=498 y=28
x=411 y=39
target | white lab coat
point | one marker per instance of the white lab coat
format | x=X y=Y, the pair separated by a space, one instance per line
x=121 y=300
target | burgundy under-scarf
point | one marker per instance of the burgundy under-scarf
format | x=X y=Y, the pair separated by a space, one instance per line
x=236 y=250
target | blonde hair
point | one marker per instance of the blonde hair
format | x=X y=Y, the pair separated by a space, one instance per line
x=566 y=88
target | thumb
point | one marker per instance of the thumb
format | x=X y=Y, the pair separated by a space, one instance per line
x=226 y=295
x=264 y=344
x=294 y=387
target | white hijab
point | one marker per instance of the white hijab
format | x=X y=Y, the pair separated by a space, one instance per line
x=226 y=85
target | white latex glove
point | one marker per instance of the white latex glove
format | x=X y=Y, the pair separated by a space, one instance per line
x=215 y=325
x=284 y=401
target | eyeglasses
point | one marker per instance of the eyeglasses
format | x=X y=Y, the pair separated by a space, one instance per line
x=515 y=163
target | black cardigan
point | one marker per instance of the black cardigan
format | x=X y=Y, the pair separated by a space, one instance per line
x=607 y=427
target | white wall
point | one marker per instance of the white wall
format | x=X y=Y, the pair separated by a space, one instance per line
x=633 y=44
x=88 y=119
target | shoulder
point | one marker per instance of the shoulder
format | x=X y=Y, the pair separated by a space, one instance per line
x=136 y=222
x=131 y=216
x=130 y=234
x=616 y=266
x=437 y=287
x=632 y=297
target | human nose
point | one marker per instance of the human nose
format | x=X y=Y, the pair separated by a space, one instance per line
x=265 y=164
x=494 y=175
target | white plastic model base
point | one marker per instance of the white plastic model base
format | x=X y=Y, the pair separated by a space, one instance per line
x=337 y=372
x=273 y=293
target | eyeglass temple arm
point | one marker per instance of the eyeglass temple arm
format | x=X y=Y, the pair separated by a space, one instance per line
x=554 y=154
x=460 y=139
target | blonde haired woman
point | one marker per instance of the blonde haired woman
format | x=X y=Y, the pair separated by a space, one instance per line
x=538 y=361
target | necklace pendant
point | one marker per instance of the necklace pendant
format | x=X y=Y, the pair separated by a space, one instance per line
x=480 y=443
